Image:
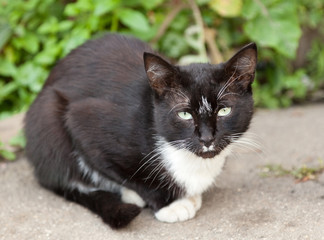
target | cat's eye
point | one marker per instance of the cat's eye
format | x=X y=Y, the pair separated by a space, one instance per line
x=224 y=111
x=185 y=115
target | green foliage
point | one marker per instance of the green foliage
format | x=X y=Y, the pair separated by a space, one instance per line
x=301 y=174
x=228 y=8
x=35 y=34
x=16 y=143
x=5 y=153
x=274 y=24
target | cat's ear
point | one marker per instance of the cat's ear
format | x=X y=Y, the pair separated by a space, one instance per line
x=159 y=72
x=241 y=67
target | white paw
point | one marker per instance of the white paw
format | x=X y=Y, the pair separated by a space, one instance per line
x=180 y=210
x=130 y=196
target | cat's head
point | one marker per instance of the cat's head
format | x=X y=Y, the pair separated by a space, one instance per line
x=201 y=107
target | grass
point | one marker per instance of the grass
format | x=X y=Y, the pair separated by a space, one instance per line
x=301 y=174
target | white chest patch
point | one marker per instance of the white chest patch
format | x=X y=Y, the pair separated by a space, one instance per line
x=194 y=173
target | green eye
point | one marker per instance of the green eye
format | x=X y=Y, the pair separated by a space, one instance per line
x=224 y=111
x=185 y=115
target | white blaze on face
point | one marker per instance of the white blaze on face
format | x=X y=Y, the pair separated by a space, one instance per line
x=204 y=106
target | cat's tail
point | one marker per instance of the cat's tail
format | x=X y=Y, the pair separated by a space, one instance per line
x=107 y=205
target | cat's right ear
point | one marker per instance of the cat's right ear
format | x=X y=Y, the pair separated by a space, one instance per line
x=241 y=67
x=159 y=72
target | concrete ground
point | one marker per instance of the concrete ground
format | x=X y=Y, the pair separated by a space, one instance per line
x=243 y=205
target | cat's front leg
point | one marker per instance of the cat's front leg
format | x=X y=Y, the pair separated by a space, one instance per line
x=180 y=210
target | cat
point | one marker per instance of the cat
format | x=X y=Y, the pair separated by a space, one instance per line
x=117 y=128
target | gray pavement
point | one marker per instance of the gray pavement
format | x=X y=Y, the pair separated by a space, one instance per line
x=243 y=205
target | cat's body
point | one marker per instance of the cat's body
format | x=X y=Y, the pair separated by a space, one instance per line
x=115 y=133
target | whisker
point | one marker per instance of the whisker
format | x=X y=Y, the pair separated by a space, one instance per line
x=230 y=93
x=227 y=84
x=179 y=105
x=149 y=159
x=247 y=141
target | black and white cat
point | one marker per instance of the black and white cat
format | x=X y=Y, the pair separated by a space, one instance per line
x=117 y=128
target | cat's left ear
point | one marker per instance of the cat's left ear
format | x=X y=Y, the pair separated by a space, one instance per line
x=241 y=67
x=160 y=73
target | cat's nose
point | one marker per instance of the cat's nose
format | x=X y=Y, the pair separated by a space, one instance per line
x=206 y=135
x=207 y=140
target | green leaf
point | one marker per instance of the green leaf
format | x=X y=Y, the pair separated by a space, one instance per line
x=65 y=25
x=78 y=37
x=5 y=33
x=30 y=76
x=102 y=7
x=151 y=3
x=227 y=8
x=49 y=26
x=145 y=36
x=275 y=25
x=19 y=30
x=50 y=53
x=250 y=9
x=131 y=3
x=174 y=45
x=28 y=41
x=6 y=154
x=31 y=43
x=71 y=10
x=7 y=68
x=18 y=141
x=80 y=6
x=44 y=58
x=294 y=83
x=180 y=23
x=134 y=19
x=7 y=89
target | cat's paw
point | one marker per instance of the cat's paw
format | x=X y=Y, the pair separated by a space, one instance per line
x=120 y=215
x=180 y=210
x=130 y=196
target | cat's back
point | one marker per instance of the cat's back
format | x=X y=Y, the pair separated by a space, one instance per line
x=104 y=77
x=106 y=65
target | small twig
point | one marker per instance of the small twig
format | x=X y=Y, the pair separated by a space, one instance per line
x=200 y=23
x=168 y=20
x=216 y=56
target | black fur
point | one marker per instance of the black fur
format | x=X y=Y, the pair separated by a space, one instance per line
x=105 y=104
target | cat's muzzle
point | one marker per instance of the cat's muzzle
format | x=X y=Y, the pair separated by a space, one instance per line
x=207 y=152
